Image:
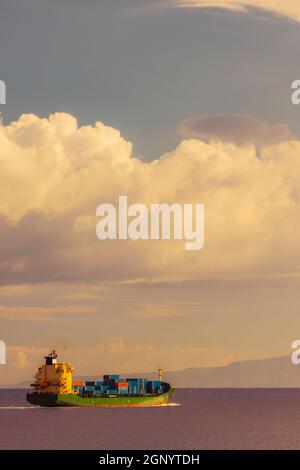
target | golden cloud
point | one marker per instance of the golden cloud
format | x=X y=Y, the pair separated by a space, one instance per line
x=54 y=174
x=288 y=8
x=33 y=313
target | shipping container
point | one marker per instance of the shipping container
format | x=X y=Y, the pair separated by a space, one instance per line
x=150 y=386
x=78 y=383
x=122 y=384
x=90 y=383
x=110 y=377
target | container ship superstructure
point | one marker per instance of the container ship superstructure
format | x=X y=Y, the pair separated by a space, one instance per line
x=53 y=386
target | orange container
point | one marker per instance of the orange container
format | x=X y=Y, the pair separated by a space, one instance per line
x=123 y=384
x=78 y=383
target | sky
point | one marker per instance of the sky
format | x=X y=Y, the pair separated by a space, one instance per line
x=173 y=101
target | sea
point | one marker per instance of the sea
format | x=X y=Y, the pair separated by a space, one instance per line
x=195 y=419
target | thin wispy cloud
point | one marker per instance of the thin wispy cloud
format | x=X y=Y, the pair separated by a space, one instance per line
x=235 y=128
x=34 y=313
x=287 y=8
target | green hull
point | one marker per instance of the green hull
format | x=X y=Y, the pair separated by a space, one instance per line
x=51 y=399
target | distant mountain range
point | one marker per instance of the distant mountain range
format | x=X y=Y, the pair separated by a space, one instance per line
x=274 y=372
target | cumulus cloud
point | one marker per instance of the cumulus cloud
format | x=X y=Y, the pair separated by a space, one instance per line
x=238 y=129
x=54 y=174
x=287 y=8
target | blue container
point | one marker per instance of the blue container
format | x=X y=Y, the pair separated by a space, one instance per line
x=112 y=392
x=99 y=383
x=89 y=388
x=110 y=377
x=150 y=386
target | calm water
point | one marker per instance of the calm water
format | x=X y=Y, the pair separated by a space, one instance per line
x=205 y=419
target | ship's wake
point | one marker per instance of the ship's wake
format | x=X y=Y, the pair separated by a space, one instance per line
x=13 y=407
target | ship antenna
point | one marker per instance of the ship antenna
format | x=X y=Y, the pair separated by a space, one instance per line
x=160 y=373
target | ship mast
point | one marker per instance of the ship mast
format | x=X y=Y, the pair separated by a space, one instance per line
x=160 y=373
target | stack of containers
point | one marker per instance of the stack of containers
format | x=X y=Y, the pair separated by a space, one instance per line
x=110 y=384
x=157 y=386
x=90 y=383
x=133 y=386
x=142 y=386
x=98 y=387
x=137 y=386
x=89 y=387
x=123 y=388
x=145 y=381
x=150 y=386
x=107 y=378
x=77 y=386
x=154 y=386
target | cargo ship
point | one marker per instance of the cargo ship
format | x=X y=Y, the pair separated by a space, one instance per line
x=54 y=386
